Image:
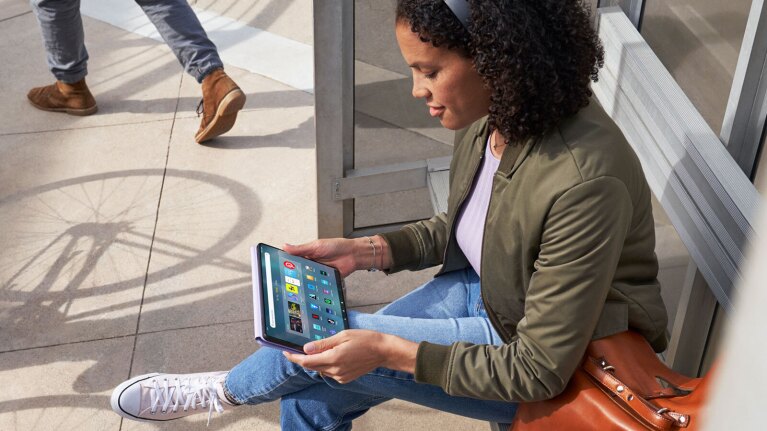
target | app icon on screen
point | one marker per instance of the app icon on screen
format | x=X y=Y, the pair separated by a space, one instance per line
x=328 y=301
x=296 y=325
x=292 y=297
x=309 y=277
x=310 y=286
x=288 y=264
x=291 y=288
x=317 y=327
x=332 y=332
x=326 y=291
x=314 y=306
x=325 y=282
x=318 y=337
x=316 y=316
x=291 y=273
x=294 y=309
x=329 y=311
x=312 y=296
x=310 y=268
x=331 y=321
x=292 y=280
x=323 y=273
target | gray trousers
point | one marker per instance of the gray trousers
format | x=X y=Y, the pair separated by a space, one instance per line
x=64 y=37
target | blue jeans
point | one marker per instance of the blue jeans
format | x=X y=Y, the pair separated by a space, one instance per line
x=64 y=38
x=444 y=310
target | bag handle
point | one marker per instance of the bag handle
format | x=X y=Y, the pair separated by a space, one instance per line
x=659 y=419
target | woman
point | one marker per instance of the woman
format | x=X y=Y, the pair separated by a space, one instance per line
x=547 y=202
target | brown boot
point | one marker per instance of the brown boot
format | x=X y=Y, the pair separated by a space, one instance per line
x=221 y=99
x=74 y=99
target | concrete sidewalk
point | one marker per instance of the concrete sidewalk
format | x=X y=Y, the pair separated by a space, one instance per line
x=125 y=244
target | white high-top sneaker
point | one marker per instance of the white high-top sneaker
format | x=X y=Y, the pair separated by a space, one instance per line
x=162 y=397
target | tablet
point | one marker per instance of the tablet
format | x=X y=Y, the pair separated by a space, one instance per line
x=295 y=300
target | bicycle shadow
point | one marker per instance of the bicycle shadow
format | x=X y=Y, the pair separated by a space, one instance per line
x=70 y=296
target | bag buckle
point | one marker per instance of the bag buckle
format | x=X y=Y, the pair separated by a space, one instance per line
x=606 y=366
x=680 y=419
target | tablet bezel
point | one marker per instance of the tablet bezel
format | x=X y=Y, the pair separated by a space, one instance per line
x=259 y=316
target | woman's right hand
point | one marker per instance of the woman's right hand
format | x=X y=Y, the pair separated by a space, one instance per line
x=340 y=253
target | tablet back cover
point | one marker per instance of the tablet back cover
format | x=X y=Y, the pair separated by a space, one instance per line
x=258 y=303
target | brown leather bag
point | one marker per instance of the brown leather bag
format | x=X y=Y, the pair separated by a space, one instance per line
x=620 y=385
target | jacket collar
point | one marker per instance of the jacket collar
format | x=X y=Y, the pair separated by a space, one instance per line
x=513 y=155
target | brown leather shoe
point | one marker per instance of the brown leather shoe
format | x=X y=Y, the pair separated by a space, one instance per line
x=74 y=99
x=221 y=100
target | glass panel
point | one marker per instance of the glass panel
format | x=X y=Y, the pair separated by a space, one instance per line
x=715 y=339
x=624 y=4
x=673 y=260
x=760 y=181
x=699 y=41
x=390 y=125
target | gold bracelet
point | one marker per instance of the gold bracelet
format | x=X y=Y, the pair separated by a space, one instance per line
x=373 y=261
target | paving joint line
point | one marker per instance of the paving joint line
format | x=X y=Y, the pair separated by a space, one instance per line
x=68 y=129
x=115 y=337
x=24 y=349
x=154 y=233
x=15 y=16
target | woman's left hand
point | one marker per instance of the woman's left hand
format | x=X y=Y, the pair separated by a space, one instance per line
x=354 y=352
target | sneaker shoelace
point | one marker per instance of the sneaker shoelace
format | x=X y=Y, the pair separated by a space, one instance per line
x=185 y=393
x=199 y=109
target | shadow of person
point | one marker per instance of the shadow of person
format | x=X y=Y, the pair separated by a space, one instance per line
x=300 y=137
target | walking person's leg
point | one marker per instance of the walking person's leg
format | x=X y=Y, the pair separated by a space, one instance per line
x=64 y=40
x=267 y=375
x=182 y=31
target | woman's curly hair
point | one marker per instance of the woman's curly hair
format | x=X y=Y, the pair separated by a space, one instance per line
x=536 y=56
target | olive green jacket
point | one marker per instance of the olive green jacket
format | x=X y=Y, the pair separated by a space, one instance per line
x=568 y=256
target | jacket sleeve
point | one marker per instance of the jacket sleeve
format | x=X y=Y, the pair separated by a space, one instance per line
x=418 y=245
x=580 y=247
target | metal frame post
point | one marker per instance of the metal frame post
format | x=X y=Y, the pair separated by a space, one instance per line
x=333 y=111
x=744 y=119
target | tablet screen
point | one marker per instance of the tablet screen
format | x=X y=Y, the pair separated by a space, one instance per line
x=303 y=300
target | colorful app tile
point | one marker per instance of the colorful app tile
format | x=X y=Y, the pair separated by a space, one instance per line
x=332 y=332
x=316 y=316
x=291 y=288
x=288 y=264
x=318 y=337
x=325 y=282
x=293 y=280
x=332 y=322
x=309 y=268
x=328 y=301
x=294 y=309
x=326 y=292
x=329 y=311
x=309 y=277
x=317 y=327
x=291 y=273
x=312 y=296
x=323 y=273
x=311 y=286
x=296 y=325
x=293 y=297
x=314 y=306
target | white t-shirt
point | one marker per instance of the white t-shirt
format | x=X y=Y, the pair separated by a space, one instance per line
x=470 y=228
